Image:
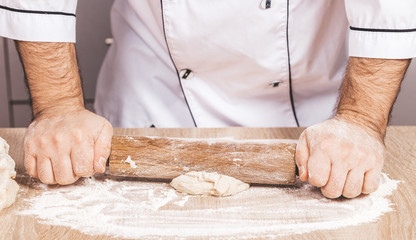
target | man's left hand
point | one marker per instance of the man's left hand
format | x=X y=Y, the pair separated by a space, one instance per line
x=340 y=157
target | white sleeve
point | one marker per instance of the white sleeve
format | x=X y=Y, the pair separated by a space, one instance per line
x=38 y=20
x=382 y=28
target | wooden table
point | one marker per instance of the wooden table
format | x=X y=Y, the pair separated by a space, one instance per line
x=400 y=164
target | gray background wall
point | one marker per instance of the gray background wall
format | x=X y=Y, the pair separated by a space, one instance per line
x=92 y=30
x=93 y=27
x=404 y=110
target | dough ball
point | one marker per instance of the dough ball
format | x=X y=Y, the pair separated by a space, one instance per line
x=4 y=147
x=7 y=165
x=205 y=183
x=8 y=187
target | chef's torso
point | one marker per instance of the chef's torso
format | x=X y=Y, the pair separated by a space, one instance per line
x=223 y=63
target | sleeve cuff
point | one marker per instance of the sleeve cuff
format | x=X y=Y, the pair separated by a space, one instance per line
x=37 y=27
x=382 y=44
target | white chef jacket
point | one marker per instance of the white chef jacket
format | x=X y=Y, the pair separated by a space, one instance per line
x=257 y=63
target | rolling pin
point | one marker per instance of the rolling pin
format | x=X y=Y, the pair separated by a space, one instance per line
x=251 y=161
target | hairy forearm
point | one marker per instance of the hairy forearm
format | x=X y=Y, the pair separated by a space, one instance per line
x=369 y=90
x=52 y=73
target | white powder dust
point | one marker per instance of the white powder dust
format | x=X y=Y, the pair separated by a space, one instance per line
x=132 y=209
x=182 y=202
x=237 y=162
x=131 y=162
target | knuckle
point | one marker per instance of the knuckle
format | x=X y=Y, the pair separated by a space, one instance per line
x=376 y=161
x=371 y=161
x=30 y=147
x=325 y=148
x=348 y=146
x=29 y=144
x=59 y=138
x=43 y=142
x=325 y=145
x=78 y=135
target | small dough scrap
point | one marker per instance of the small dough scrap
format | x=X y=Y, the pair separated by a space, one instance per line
x=8 y=187
x=4 y=147
x=208 y=183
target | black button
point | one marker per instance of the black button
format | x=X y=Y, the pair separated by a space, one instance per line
x=275 y=83
x=186 y=73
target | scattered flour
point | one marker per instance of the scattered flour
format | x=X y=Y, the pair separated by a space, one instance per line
x=237 y=162
x=131 y=162
x=131 y=209
x=182 y=201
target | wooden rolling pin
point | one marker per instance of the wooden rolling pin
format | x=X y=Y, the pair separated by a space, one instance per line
x=251 y=161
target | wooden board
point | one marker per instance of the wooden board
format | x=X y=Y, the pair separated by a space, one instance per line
x=400 y=164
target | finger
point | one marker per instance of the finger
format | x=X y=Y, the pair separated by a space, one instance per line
x=30 y=165
x=62 y=168
x=44 y=168
x=319 y=168
x=82 y=159
x=102 y=148
x=30 y=158
x=301 y=156
x=336 y=182
x=61 y=162
x=371 y=181
x=353 y=184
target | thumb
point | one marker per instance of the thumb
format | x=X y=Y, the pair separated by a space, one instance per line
x=302 y=156
x=102 y=147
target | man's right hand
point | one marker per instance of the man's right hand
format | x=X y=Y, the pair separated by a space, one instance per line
x=63 y=146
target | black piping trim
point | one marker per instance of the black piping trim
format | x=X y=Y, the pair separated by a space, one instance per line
x=383 y=30
x=292 y=102
x=177 y=72
x=36 y=12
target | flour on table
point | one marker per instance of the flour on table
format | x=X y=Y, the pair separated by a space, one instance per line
x=123 y=208
x=8 y=187
x=208 y=183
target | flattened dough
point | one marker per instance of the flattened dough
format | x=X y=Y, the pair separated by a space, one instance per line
x=205 y=183
x=8 y=187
